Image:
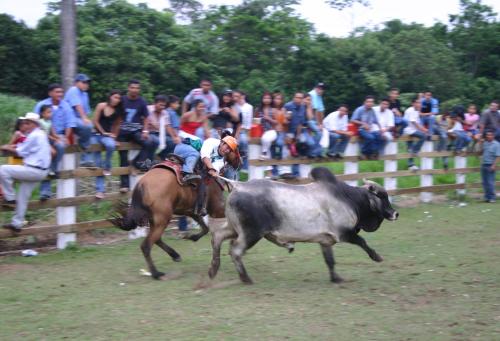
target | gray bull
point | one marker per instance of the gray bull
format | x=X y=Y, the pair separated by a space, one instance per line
x=326 y=211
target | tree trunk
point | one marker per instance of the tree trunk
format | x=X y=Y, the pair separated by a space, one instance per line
x=68 y=42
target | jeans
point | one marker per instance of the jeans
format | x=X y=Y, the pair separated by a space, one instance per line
x=84 y=132
x=400 y=123
x=243 y=147
x=148 y=149
x=414 y=147
x=488 y=179
x=169 y=148
x=109 y=145
x=182 y=223
x=190 y=156
x=336 y=146
x=372 y=142
x=429 y=122
x=45 y=187
x=462 y=140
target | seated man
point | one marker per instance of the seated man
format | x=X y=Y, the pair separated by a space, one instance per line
x=385 y=117
x=336 y=124
x=35 y=151
x=365 y=118
x=415 y=129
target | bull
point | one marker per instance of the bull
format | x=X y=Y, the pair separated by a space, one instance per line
x=326 y=211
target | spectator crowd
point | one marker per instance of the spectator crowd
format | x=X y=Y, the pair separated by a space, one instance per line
x=208 y=123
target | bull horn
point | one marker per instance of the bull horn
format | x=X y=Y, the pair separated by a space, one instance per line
x=369 y=182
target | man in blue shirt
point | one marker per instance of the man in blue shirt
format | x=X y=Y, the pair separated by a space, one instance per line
x=63 y=122
x=134 y=129
x=296 y=115
x=365 y=117
x=78 y=99
x=491 y=156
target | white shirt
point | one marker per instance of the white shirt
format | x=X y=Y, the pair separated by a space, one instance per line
x=412 y=116
x=457 y=126
x=246 y=111
x=35 y=150
x=210 y=149
x=385 y=118
x=334 y=122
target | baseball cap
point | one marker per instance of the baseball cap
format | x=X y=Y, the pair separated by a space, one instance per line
x=30 y=116
x=320 y=85
x=81 y=77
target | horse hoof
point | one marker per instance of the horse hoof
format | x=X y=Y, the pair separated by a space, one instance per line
x=158 y=275
x=247 y=280
x=212 y=273
x=378 y=258
x=337 y=279
x=177 y=259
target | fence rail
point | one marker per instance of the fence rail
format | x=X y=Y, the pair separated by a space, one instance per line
x=67 y=201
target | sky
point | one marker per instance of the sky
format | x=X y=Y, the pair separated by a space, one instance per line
x=325 y=19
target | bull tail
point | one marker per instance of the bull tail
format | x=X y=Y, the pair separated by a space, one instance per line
x=231 y=184
x=128 y=217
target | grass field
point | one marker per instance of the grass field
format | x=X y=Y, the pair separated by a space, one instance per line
x=439 y=281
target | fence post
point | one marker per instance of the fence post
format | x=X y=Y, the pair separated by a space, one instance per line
x=66 y=188
x=254 y=172
x=460 y=162
x=426 y=179
x=304 y=170
x=351 y=167
x=391 y=148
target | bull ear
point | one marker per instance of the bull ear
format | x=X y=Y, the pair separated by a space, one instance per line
x=372 y=189
x=370 y=185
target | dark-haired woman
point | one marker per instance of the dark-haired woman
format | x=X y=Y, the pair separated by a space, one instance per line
x=107 y=119
x=271 y=114
x=195 y=122
x=226 y=116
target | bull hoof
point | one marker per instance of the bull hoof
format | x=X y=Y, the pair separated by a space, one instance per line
x=157 y=275
x=246 y=280
x=378 y=258
x=177 y=259
x=192 y=237
x=212 y=273
x=337 y=279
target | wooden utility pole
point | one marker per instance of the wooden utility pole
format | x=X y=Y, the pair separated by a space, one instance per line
x=68 y=42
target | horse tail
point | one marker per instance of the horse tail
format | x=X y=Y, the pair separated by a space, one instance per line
x=128 y=217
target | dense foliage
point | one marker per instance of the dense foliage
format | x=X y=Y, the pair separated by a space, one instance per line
x=258 y=45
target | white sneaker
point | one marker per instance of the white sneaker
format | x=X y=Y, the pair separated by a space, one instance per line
x=263 y=157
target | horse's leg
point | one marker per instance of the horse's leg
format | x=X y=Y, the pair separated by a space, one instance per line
x=171 y=252
x=155 y=233
x=204 y=229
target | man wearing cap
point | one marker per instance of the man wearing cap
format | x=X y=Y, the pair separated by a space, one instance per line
x=204 y=93
x=78 y=98
x=212 y=155
x=63 y=122
x=35 y=151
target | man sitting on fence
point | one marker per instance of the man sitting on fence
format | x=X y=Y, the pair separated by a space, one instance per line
x=336 y=124
x=63 y=122
x=385 y=118
x=364 y=116
x=415 y=129
x=35 y=151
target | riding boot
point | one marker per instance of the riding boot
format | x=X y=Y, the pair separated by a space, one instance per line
x=188 y=177
x=201 y=201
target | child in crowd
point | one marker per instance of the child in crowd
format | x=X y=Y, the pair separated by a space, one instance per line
x=46 y=125
x=462 y=139
x=16 y=138
x=471 y=124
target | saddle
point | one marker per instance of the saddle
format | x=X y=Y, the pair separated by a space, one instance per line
x=173 y=163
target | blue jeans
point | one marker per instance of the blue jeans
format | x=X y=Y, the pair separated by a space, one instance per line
x=462 y=140
x=488 y=177
x=243 y=147
x=230 y=172
x=400 y=124
x=414 y=147
x=148 y=145
x=45 y=186
x=429 y=122
x=314 y=148
x=372 y=142
x=84 y=132
x=109 y=145
x=336 y=146
x=190 y=156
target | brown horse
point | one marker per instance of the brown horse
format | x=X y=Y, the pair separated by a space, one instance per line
x=155 y=199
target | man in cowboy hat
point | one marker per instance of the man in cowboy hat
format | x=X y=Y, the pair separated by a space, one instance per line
x=35 y=151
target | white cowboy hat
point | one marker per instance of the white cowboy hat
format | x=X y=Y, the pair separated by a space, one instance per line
x=31 y=116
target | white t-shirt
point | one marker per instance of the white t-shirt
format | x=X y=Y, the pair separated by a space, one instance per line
x=246 y=111
x=334 y=122
x=385 y=118
x=457 y=126
x=210 y=149
x=412 y=116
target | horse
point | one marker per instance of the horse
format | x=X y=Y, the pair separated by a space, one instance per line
x=158 y=196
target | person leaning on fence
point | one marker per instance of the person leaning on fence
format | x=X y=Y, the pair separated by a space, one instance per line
x=491 y=157
x=385 y=117
x=204 y=93
x=107 y=119
x=364 y=116
x=169 y=136
x=46 y=125
x=226 y=116
x=273 y=130
x=297 y=119
x=415 y=129
x=195 y=121
x=490 y=120
x=158 y=119
x=35 y=151
x=457 y=132
x=63 y=122
x=471 y=123
x=133 y=129
x=336 y=123
x=312 y=133
x=17 y=137
x=78 y=99
x=242 y=132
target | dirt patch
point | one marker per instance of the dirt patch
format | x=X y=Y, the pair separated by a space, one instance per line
x=5 y=268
